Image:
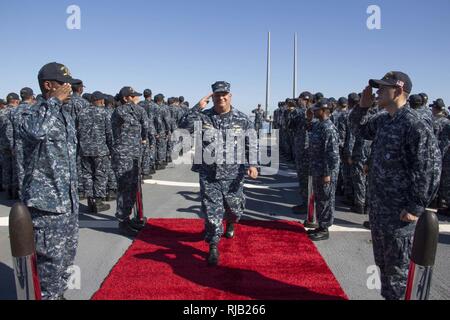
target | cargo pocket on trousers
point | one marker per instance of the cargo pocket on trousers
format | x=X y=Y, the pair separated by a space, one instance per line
x=40 y=242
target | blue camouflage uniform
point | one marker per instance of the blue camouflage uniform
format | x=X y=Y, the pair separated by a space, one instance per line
x=170 y=125
x=47 y=133
x=19 y=152
x=74 y=107
x=442 y=132
x=222 y=184
x=345 y=145
x=163 y=132
x=95 y=142
x=148 y=152
x=324 y=155
x=299 y=126
x=425 y=115
x=130 y=127
x=173 y=111
x=146 y=149
x=260 y=115
x=336 y=119
x=404 y=172
x=9 y=173
x=112 y=181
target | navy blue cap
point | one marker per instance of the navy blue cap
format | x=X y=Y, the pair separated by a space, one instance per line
x=353 y=98
x=26 y=93
x=221 y=86
x=97 y=95
x=148 y=93
x=2 y=102
x=129 y=92
x=342 y=101
x=12 y=96
x=87 y=96
x=322 y=104
x=393 y=79
x=415 y=100
x=56 y=72
x=318 y=96
x=439 y=104
x=306 y=95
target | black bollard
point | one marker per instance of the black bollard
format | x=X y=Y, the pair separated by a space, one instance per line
x=139 y=221
x=423 y=257
x=23 y=252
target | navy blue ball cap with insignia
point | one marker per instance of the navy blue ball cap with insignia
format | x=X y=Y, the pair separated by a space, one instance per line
x=393 y=79
x=129 y=92
x=12 y=96
x=221 y=87
x=438 y=104
x=322 y=104
x=306 y=95
x=56 y=72
x=97 y=95
x=148 y=93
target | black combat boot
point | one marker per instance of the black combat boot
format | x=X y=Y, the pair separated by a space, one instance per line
x=125 y=228
x=99 y=206
x=152 y=170
x=138 y=224
x=229 y=234
x=160 y=166
x=213 y=259
x=348 y=200
x=111 y=196
x=91 y=204
x=358 y=208
x=320 y=234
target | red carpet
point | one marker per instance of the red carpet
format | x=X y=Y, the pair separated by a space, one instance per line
x=265 y=261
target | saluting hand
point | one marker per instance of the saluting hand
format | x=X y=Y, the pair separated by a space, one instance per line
x=253 y=173
x=204 y=102
x=366 y=98
x=62 y=93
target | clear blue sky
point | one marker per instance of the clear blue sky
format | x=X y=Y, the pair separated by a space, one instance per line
x=182 y=47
